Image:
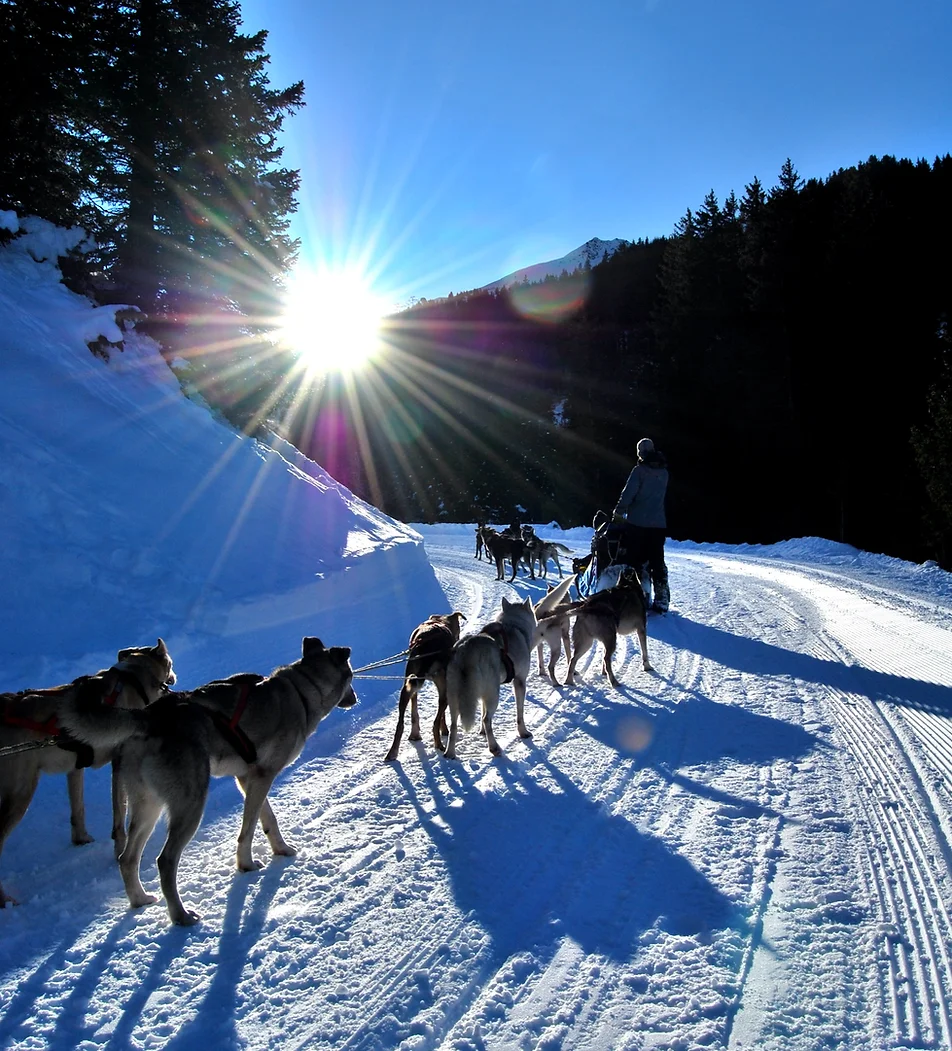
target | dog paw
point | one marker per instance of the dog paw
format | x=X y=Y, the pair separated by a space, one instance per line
x=284 y=851
x=80 y=839
x=186 y=918
x=251 y=866
x=141 y=900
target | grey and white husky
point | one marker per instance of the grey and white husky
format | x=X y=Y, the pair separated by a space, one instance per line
x=481 y=663
x=248 y=726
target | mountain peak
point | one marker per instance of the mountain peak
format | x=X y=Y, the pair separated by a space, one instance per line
x=592 y=252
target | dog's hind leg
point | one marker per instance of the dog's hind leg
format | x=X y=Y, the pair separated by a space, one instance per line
x=582 y=640
x=14 y=803
x=255 y=789
x=77 y=808
x=555 y=651
x=144 y=809
x=519 y=689
x=183 y=824
x=487 y=727
x=440 y=729
x=643 y=640
x=610 y=643
x=118 y=807
x=450 y=751
x=407 y=694
x=269 y=825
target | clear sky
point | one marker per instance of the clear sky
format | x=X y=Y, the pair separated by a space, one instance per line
x=445 y=144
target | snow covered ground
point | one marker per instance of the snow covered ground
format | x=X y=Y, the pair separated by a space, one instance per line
x=748 y=848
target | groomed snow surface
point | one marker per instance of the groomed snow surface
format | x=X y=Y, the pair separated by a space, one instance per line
x=748 y=848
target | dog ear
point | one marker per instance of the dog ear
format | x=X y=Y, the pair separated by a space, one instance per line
x=124 y=655
x=310 y=644
x=161 y=647
x=342 y=653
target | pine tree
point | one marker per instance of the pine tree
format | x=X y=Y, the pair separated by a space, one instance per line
x=41 y=133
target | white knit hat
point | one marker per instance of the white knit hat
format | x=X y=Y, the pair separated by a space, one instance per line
x=644 y=447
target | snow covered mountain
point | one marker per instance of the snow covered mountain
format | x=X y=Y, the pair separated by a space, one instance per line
x=592 y=252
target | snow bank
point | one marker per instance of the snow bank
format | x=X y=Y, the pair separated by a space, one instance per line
x=129 y=512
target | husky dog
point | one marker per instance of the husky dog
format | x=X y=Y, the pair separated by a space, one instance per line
x=481 y=663
x=246 y=726
x=31 y=719
x=502 y=546
x=544 y=550
x=604 y=616
x=553 y=625
x=431 y=644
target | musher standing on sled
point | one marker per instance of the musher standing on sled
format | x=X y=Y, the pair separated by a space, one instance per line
x=641 y=505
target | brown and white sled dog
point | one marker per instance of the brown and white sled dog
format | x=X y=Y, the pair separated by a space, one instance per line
x=604 y=616
x=431 y=644
x=481 y=663
x=247 y=726
x=31 y=717
x=553 y=625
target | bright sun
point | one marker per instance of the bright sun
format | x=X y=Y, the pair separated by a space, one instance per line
x=332 y=320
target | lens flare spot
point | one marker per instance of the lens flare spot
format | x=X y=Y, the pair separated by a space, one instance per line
x=634 y=734
x=552 y=301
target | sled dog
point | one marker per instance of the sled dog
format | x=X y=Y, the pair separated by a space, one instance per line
x=481 y=663
x=31 y=717
x=604 y=616
x=431 y=644
x=544 y=551
x=502 y=546
x=246 y=726
x=553 y=625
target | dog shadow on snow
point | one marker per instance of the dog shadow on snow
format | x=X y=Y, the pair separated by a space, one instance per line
x=226 y=947
x=696 y=732
x=537 y=862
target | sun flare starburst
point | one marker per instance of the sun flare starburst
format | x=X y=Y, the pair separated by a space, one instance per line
x=332 y=319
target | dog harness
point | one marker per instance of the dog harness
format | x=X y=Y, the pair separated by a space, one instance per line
x=230 y=729
x=499 y=637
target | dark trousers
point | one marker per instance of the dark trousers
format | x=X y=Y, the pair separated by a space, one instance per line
x=646 y=548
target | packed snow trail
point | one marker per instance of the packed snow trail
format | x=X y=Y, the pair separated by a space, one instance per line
x=748 y=848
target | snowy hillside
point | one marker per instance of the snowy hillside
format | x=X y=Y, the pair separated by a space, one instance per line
x=591 y=252
x=129 y=512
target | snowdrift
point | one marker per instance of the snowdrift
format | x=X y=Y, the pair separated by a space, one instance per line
x=130 y=512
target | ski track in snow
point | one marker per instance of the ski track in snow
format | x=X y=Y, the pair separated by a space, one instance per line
x=749 y=847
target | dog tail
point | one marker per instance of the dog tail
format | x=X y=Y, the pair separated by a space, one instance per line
x=554 y=597
x=465 y=674
x=88 y=715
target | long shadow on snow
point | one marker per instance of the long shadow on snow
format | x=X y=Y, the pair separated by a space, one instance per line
x=696 y=732
x=534 y=864
x=764 y=658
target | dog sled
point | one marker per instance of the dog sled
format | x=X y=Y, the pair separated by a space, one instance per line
x=614 y=552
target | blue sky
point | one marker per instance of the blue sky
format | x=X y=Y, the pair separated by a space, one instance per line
x=446 y=144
